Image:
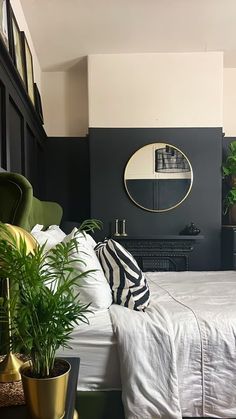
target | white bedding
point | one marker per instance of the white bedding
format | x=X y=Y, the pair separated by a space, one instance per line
x=96 y=345
x=179 y=357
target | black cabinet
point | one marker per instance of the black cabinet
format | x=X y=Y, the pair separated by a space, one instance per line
x=228 y=247
x=160 y=253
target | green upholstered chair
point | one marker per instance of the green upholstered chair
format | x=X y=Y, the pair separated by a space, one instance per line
x=19 y=207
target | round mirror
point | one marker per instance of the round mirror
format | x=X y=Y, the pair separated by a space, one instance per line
x=158 y=177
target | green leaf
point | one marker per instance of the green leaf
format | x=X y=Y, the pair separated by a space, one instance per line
x=229 y=166
x=232 y=147
x=43 y=306
x=90 y=225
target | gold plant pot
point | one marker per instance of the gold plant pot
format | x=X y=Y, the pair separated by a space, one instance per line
x=45 y=397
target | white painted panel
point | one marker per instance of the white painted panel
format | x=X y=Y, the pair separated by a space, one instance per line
x=229 y=121
x=53 y=92
x=65 y=101
x=156 y=90
x=142 y=164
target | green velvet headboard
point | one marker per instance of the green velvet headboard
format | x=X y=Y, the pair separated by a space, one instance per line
x=19 y=207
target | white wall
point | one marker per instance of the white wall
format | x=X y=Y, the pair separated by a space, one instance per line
x=139 y=90
x=156 y=90
x=229 y=114
x=64 y=94
x=54 y=103
x=135 y=90
x=18 y=12
x=65 y=101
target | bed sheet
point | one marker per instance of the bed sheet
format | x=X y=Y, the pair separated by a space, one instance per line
x=202 y=310
x=187 y=335
x=95 y=343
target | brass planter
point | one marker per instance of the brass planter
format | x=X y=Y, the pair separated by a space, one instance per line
x=45 y=397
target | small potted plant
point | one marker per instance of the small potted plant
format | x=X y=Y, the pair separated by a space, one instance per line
x=229 y=205
x=229 y=173
x=43 y=310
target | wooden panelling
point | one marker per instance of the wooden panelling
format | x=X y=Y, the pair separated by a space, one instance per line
x=31 y=161
x=21 y=131
x=15 y=141
x=3 y=162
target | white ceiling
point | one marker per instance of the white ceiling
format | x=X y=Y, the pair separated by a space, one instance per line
x=63 y=31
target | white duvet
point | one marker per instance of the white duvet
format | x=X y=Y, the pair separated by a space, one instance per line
x=178 y=358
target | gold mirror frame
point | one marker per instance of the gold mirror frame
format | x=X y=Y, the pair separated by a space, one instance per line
x=173 y=206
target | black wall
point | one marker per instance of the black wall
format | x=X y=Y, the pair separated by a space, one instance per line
x=110 y=149
x=65 y=176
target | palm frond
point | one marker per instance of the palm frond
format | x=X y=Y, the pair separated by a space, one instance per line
x=43 y=305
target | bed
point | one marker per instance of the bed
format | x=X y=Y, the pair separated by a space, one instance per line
x=189 y=328
x=191 y=331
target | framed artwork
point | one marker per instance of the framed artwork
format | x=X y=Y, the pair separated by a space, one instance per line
x=28 y=67
x=17 y=47
x=38 y=103
x=4 y=22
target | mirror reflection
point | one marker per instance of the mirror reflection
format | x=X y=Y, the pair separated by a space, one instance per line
x=158 y=177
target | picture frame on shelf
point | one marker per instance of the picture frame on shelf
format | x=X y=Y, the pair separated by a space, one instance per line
x=28 y=67
x=38 y=103
x=4 y=22
x=17 y=47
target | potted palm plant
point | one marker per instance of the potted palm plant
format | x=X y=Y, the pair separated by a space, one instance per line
x=43 y=310
x=229 y=173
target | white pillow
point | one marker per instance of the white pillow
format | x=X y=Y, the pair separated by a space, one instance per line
x=52 y=236
x=90 y=240
x=93 y=288
x=37 y=227
x=57 y=232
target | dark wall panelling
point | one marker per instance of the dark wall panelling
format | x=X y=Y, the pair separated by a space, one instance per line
x=18 y=118
x=32 y=164
x=66 y=176
x=110 y=149
x=15 y=143
x=3 y=162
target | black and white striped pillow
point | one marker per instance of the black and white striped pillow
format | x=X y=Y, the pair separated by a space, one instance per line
x=127 y=281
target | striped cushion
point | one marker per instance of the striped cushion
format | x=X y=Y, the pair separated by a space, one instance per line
x=127 y=281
